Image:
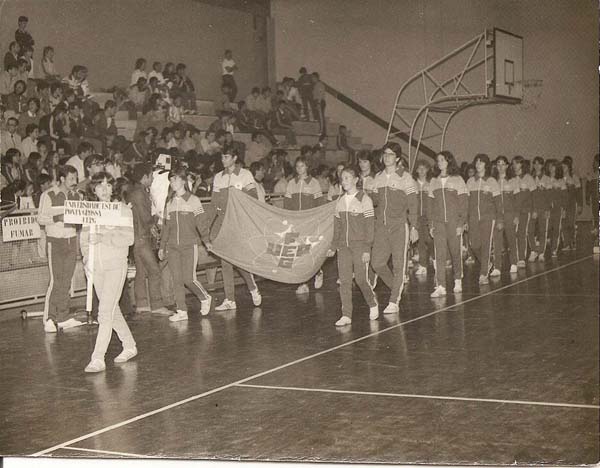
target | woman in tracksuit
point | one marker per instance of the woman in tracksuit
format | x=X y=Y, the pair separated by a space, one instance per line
x=505 y=235
x=573 y=203
x=447 y=213
x=425 y=243
x=395 y=198
x=558 y=199
x=538 y=232
x=591 y=188
x=353 y=233
x=524 y=207
x=108 y=268
x=303 y=192
x=484 y=211
x=184 y=219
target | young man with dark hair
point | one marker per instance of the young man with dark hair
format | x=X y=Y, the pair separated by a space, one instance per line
x=22 y=36
x=144 y=229
x=184 y=87
x=84 y=150
x=8 y=78
x=10 y=138
x=229 y=67
x=61 y=249
x=305 y=88
x=12 y=56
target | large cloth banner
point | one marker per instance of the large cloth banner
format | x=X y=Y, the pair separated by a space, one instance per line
x=277 y=244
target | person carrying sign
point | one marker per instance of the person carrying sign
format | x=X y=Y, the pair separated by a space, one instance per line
x=61 y=248
x=108 y=268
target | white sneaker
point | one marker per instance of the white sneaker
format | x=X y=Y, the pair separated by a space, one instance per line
x=178 y=316
x=302 y=289
x=126 y=355
x=50 y=326
x=70 y=323
x=319 y=280
x=457 y=285
x=391 y=309
x=95 y=365
x=374 y=312
x=495 y=272
x=533 y=256
x=521 y=264
x=338 y=281
x=226 y=305
x=256 y=297
x=483 y=279
x=513 y=268
x=439 y=291
x=159 y=311
x=205 y=305
x=421 y=270
x=343 y=321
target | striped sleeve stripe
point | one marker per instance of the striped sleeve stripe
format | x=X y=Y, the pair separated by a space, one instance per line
x=369 y=213
x=410 y=189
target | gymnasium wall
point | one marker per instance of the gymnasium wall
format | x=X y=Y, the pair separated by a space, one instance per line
x=108 y=36
x=368 y=49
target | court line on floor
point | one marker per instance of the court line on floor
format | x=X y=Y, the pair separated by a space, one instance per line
x=107 y=452
x=297 y=361
x=413 y=395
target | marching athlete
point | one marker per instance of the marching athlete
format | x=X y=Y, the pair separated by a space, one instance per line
x=425 y=242
x=366 y=173
x=447 y=213
x=573 y=205
x=484 y=212
x=558 y=198
x=108 y=268
x=538 y=233
x=395 y=198
x=232 y=177
x=508 y=216
x=303 y=192
x=524 y=207
x=353 y=233
x=184 y=220
x=592 y=198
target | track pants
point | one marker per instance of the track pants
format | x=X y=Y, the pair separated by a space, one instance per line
x=556 y=225
x=146 y=267
x=109 y=286
x=523 y=236
x=505 y=239
x=350 y=263
x=391 y=239
x=183 y=260
x=229 y=80
x=481 y=235
x=425 y=243
x=569 y=223
x=229 y=285
x=446 y=242
x=62 y=255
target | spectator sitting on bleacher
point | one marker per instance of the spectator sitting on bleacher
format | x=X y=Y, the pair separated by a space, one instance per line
x=257 y=150
x=11 y=167
x=33 y=167
x=225 y=103
x=8 y=78
x=291 y=110
x=28 y=55
x=139 y=93
x=48 y=68
x=84 y=150
x=167 y=139
x=188 y=142
x=93 y=164
x=43 y=183
x=31 y=116
x=12 y=56
x=22 y=36
x=139 y=72
x=184 y=87
x=29 y=143
x=103 y=122
x=291 y=94
x=22 y=69
x=16 y=102
x=231 y=144
x=153 y=87
x=157 y=73
x=169 y=72
x=77 y=81
x=52 y=163
x=282 y=124
x=252 y=100
x=74 y=127
x=52 y=125
x=13 y=191
x=10 y=138
x=139 y=150
x=263 y=102
x=222 y=123
x=209 y=144
x=250 y=122
x=56 y=95
x=176 y=110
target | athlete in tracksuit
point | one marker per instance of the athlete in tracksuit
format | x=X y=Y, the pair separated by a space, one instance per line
x=232 y=177
x=353 y=233
x=524 y=207
x=558 y=198
x=366 y=174
x=108 y=270
x=395 y=199
x=508 y=216
x=447 y=213
x=573 y=203
x=484 y=213
x=591 y=187
x=425 y=243
x=185 y=218
x=303 y=192
x=538 y=233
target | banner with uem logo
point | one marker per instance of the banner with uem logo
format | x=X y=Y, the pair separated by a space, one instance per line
x=277 y=244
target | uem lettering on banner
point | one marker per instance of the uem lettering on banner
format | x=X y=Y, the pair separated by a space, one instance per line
x=95 y=213
x=16 y=228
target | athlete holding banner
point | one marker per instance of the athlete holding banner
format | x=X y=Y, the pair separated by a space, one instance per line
x=108 y=268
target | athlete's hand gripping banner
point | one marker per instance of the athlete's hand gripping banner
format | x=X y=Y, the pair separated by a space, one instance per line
x=277 y=244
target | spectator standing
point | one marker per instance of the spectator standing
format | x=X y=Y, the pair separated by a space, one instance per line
x=139 y=72
x=22 y=36
x=319 y=100
x=12 y=56
x=229 y=66
x=305 y=88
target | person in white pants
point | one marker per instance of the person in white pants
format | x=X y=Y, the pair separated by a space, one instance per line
x=108 y=268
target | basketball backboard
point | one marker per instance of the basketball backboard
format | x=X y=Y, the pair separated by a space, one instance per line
x=508 y=65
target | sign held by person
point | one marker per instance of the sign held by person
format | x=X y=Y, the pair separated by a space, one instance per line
x=95 y=213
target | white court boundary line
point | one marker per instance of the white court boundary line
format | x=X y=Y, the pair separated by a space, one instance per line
x=413 y=395
x=107 y=452
x=297 y=361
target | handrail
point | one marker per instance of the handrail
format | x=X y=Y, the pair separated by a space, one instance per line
x=377 y=120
